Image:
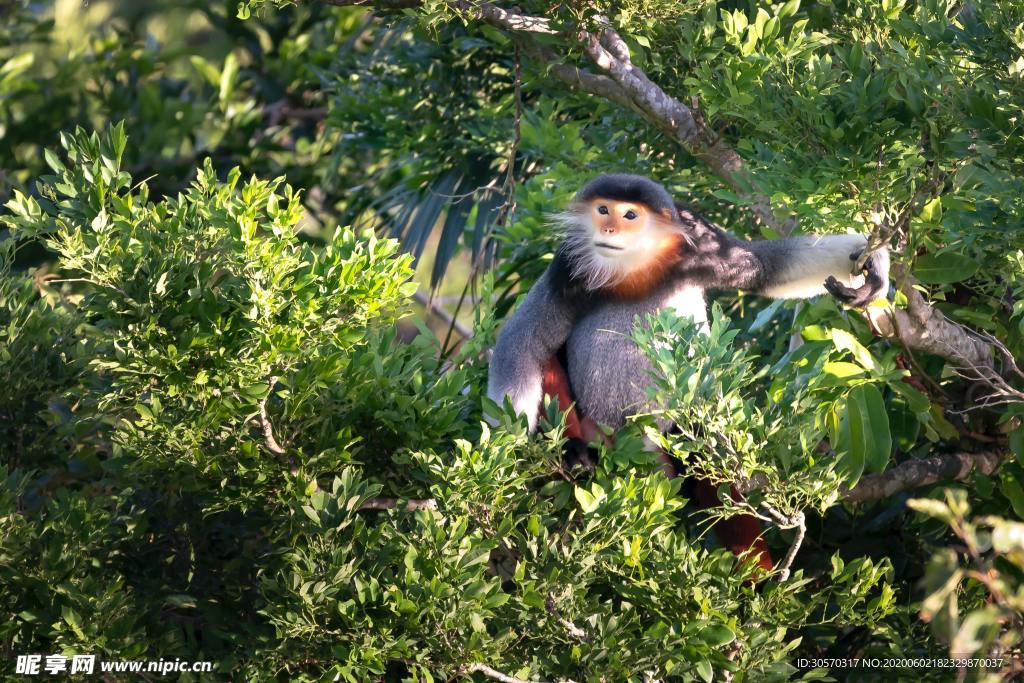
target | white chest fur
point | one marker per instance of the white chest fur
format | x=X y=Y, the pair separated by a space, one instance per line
x=688 y=301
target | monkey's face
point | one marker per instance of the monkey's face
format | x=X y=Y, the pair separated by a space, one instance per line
x=611 y=240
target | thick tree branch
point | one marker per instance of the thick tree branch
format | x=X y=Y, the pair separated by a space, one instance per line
x=575 y=77
x=635 y=90
x=492 y=14
x=907 y=475
x=496 y=675
x=920 y=472
x=924 y=328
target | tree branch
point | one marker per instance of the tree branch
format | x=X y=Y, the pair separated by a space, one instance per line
x=392 y=503
x=923 y=472
x=909 y=474
x=575 y=77
x=484 y=11
x=922 y=327
x=610 y=53
x=268 y=429
x=496 y=675
x=572 y=629
x=796 y=521
x=635 y=90
x=493 y=674
x=438 y=310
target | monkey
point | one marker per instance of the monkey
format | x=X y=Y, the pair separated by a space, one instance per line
x=630 y=250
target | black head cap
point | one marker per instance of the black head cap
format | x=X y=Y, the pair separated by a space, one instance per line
x=624 y=187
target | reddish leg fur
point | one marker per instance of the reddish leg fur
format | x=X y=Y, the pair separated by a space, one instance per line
x=739 y=534
x=556 y=383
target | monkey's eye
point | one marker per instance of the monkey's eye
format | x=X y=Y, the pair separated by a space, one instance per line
x=603 y=210
x=630 y=215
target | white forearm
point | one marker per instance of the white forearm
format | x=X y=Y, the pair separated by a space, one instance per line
x=797 y=267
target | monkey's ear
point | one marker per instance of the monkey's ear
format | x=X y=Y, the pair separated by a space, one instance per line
x=667 y=215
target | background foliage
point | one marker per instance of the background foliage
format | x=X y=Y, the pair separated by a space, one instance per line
x=218 y=214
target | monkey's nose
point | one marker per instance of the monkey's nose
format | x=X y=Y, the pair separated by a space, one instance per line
x=609 y=229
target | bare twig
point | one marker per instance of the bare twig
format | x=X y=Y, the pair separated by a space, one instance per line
x=493 y=674
x=572 y=629
x=796 y=521
x=268 y=429
x=276 y=112
x=438 y=310
x=392 y=503
x=508 y=190
x=1000 y=391
x=885 y=230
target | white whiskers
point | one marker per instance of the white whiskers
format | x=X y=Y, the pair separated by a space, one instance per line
x=595 y=270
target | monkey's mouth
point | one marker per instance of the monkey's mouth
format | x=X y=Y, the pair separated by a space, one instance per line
x=605 y=245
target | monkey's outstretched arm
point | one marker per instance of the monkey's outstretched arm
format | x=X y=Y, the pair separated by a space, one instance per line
x=532 y=335
x=794 y=267
x=799 y=267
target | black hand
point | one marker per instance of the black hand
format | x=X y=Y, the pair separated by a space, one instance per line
x=859 y=297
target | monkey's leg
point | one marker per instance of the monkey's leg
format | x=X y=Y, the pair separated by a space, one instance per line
x=580 y=431
x=555 y=383
x=740 y=533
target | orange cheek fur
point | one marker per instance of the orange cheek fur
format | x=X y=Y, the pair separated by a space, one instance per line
x=649 y=274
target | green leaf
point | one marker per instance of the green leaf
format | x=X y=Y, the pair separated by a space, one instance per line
x=717 y=635
x=979 y=628
x=789 y=9
x=842 y=370
x=16 y=65
x=864 y=434
x=227 y=77
x=854 y=442
x=208 y=70
x=533 y=599
x=311 y=513
x=877 y=459
x=844 y=341
x=1016 y=443
x=941 y=269
x=932 y=211
x=587 y=501
x=53 y=161
x=1011 y=487
x=1008 y=537
x=73 y=620
x=144 y=412
x=932 y=508
x=765 y=315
